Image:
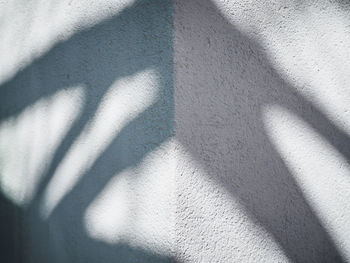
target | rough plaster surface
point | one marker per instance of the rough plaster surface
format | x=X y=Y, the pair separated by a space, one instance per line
x=86 y=127
x=186 y=131
x=254 y=121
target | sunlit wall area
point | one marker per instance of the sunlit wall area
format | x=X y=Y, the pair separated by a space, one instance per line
x=262 y=113
x=86 y=126
x=174 y=131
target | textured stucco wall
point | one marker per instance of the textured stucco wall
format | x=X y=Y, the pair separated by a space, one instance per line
x=186 y=131
x=86 y=119
x=262 y=122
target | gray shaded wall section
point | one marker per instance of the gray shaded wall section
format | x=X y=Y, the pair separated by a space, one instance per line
x=138 y=38
x=223 y=80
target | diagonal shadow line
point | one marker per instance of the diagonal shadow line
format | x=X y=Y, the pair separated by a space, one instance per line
x=220 y=57
x=312 y=115
x=74 y=131
x=70 y=63
x=327 y=130
x=139 y=135
x=138 y=38
x=82 y=58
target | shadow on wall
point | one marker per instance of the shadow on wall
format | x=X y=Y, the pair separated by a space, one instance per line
x=138 y=38
x=10 y=232
x=223 y=81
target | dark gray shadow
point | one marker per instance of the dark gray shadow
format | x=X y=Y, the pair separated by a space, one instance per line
x=139 y=38
x=9 y=229
x=231 y=79
x=223 y=80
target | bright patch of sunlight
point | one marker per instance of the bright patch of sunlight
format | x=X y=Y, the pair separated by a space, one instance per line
x=321 y=171
x=313 y=53
x=306 y=42
x=29 y=29
x=107 y=217
x=125 y=99
x=207 y=211
x=136 y=206
x=28 y=141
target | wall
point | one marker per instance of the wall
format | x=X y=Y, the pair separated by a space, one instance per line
x=266 y=148
x=174 y=131
x=86 y=120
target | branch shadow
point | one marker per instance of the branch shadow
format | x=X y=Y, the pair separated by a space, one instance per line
x=223 y=80
x=214 y=55
x=138 y=38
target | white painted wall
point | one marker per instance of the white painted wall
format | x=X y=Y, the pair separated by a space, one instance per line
x=86 y=112
x=262 y=118
x=186 y=131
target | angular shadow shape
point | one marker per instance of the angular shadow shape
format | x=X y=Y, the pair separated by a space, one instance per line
x=138 y=38
x=223 y=80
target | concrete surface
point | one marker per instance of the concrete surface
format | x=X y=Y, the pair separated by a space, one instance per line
x=174 y=131
x=239 y=199
x=85 y=131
